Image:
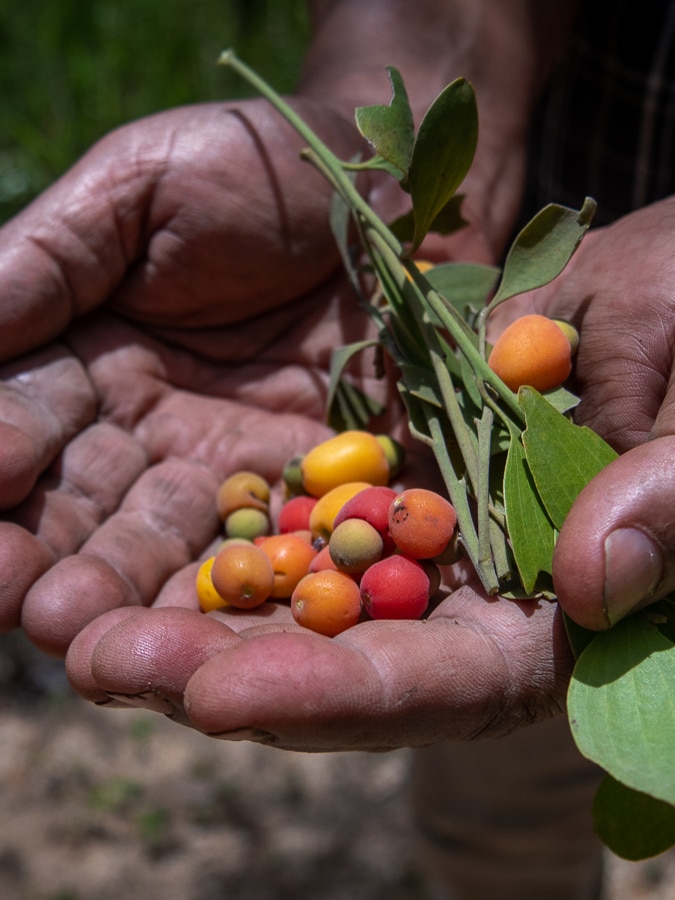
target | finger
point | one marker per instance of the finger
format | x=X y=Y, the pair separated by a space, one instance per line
x=23 y=559
x=180 y=590
x=45 y=399
x=382 y=685
x=78 y=658
x=616 y=550
x=81 y=488
x=164 y=522
x=69 y=502
x=111 y=658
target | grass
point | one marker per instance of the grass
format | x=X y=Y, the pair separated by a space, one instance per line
x=72 y=71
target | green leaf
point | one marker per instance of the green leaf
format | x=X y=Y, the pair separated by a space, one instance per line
x=375 y=162
x=442 y=153
x=340 y=220
x=543 y=248
x=390 y=129
x=633 y=825
x=562 y=399
x=562 y=457
x=579 y=637
x=531 y=532
x=351 y=408
x=465 y=285
x=420 y=384
x=448 y=220
x=346 y=405
x=621 y=706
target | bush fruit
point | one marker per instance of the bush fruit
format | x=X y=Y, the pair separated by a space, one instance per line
x=372 y=505
x=396 y=587
x=328 y=602
x=243 y=575
x=422 y=523
x=209 y=598
x=290 y=555
x=242 y=490
x=354 y=545
x=322 y=560
x=534 y=350
x=394 y=451
x=292 y=476
x=294 y=514
x=322 y=517
x=348 y=456
x=247 y=523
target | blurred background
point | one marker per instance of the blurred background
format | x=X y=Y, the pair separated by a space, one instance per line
x=71 y=71
x=115 y=805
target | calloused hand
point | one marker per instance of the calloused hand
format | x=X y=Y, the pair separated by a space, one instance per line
x=106 y=545
x=477 y=666
x=133 y=286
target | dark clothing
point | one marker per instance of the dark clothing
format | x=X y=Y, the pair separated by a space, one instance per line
x=606 y=126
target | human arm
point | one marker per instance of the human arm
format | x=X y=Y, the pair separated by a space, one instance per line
x=506 y=49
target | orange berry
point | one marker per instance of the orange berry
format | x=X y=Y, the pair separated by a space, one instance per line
x=243 y=575
x=290 y=555
x=209 y=598
x=421 y=523
x=328 y=602
x=534 y=350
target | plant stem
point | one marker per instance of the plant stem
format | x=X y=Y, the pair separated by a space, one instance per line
x=459 y=499
x=329 y=163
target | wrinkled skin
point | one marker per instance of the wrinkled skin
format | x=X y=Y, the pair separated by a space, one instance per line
x=177 y=323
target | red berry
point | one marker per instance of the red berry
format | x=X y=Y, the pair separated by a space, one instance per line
x=395 y=588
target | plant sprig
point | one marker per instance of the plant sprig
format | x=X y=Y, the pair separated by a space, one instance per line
x=512 y=464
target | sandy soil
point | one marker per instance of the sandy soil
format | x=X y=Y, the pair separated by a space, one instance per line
x=116 y=805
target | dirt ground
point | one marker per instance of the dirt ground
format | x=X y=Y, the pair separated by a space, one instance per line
x=115 y=805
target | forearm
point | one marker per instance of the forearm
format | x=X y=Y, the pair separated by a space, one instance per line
x=505 y=47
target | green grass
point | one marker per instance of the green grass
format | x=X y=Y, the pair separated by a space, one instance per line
x=72 y=71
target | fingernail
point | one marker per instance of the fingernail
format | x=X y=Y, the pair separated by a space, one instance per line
x=245 y=734
x=146 y=700
x=633 y=569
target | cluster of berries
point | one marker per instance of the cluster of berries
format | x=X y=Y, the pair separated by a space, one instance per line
x=347 y=546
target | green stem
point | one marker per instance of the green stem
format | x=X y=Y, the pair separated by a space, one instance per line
x=466 y=345
x=484 y=428
x=458 y=424
x=459 y=499
x=329 y=162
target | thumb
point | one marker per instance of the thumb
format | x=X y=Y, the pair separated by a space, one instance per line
x=616 y=550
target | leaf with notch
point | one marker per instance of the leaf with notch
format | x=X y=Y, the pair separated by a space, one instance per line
x=390 y=129
x=543 y=248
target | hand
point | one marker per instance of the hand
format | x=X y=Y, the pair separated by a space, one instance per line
x=616 y=550
x=139 y=264
x=144 y=420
